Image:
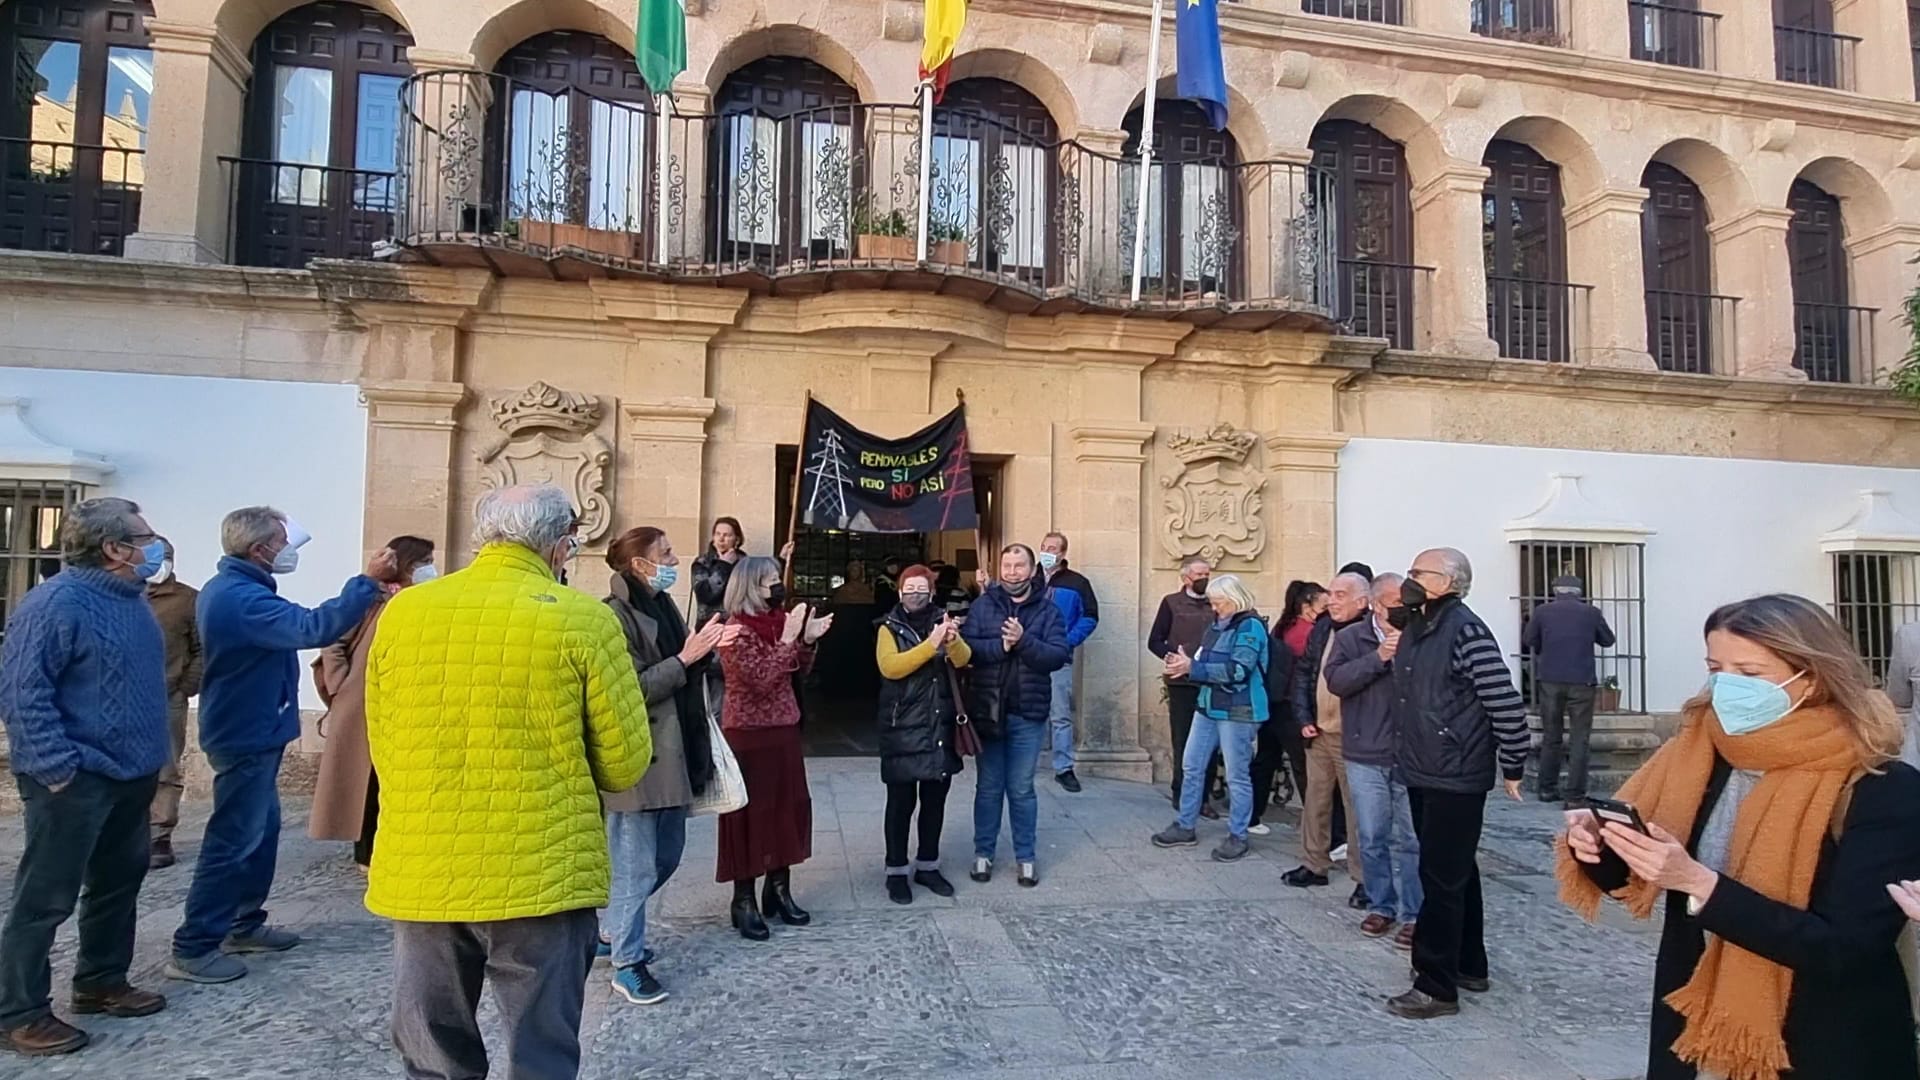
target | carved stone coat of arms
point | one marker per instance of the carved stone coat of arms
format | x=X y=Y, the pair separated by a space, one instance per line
x=548 y=436
x=1212 y=503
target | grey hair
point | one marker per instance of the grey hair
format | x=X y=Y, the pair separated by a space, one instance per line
x=1195 y=560
x=1454 y=564
x=90 y=526
x=743 y=588
x=1230 y=588
x=248 y=528
x=1358 y=581
x=534 y=516
x=1390 y=583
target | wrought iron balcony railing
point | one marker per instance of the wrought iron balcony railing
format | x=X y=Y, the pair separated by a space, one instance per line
x=66 y=197
x=1667 y=33
x=1537 y=320
x=284 y=214
x=749 y=198
x=1833 y=342
x=1380 y=299
x=1536 y=22
x=1690 y=332
x=1814 y=57
x=1379 y=11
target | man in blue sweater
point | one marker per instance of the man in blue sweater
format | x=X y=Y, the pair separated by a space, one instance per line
x=83 y=691
x=249 y=712
x=1072 y=593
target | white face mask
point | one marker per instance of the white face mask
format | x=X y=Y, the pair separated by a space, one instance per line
x=424 y=572
x=288 y=558
x=162 y=575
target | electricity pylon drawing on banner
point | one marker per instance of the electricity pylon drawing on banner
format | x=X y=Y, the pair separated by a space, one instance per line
x=828 y=467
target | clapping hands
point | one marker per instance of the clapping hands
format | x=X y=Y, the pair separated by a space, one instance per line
x=1010 y=633
x=817 y=626
x=796 y=622
x=702 y=642
x=1179 y=664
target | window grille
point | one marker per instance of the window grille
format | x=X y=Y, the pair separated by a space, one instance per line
x=1874 y=594
x=1613 y=579
x=30 y=515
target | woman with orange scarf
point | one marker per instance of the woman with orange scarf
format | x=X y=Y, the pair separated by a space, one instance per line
x=1778 y=957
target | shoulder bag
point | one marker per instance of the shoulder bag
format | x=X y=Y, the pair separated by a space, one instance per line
x=966 y=741
x=727 y=791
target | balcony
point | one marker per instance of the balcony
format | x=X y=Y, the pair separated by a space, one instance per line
x=1536 y=320
x=285 y=214
x=1677 y=36
x=1814 y=57
x=496 y=174
x=1379 y=299
x=64 y=197
x=1833 y=342
x=1690 y=332
x=1393 y=12
x=1536 y=22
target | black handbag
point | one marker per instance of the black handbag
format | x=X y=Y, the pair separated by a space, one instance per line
x=966 y=740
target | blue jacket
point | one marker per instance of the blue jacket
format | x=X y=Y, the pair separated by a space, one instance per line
x=250 y=638
x=1073 y=593
x=1231 y=670
x=83 y=680
x=1019 y=680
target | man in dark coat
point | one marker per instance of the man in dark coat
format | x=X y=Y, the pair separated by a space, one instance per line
x=173 y=602
x=1560 y=637
x=1181 y=623
x=1458 y=724
x=1018 y=640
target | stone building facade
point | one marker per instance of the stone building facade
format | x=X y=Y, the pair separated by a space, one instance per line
x=1599 y=286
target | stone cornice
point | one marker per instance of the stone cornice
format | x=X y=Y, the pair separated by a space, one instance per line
x=1113 y=441
x=1645 y=387
x=205 y=41
x=132 y=279
x=682 y=420
x=1453 y=179
x=1110 y=338
x=1626 y=201
x=701 y=310
x=1290 y=451
x=1895 y=235
x=404 y=403
x=1410 y=48
x=1771 y=218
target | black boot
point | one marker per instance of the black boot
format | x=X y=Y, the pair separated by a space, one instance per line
x=777 y=899
x=746 y=917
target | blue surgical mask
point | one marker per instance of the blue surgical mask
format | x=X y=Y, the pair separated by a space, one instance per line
x=664 y=577
x=1747 y=703
x=1048 y=560
x=153 y=555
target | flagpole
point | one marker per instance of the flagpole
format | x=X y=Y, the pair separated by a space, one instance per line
x=1146 y=150
x=665 y=139
x=926 y=162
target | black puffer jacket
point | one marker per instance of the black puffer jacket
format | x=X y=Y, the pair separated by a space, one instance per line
x=1306 y=669
x=916 y=714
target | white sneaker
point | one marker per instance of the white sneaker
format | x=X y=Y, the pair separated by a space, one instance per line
x=1338 y=854
x=1261 y=829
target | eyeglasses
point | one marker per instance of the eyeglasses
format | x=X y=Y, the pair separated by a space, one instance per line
x=140 y=539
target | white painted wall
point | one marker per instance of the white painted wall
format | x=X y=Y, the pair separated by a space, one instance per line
x=1722 y=529
x=189 y=449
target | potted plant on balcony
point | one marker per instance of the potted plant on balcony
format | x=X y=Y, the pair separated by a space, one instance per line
x=946 y=242
x=1607 y=698
x=884 y=236
x=554 y=192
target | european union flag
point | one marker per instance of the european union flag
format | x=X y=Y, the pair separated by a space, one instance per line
x=1202 y=79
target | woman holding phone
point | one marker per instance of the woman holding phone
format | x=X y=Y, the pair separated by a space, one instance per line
x=1773 y=821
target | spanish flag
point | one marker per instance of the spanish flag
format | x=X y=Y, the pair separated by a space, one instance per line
x=943 y=22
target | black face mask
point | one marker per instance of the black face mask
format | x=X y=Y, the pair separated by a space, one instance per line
x=1399 y=617
x=1413 y=595
x=776 y=596
x=1017 y=590
x=1199 y=586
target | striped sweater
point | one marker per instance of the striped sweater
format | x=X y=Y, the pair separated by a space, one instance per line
x=1477 y=660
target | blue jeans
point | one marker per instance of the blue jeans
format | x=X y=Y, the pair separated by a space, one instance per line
x=1006 y=769
x=1235 y=743
x=1389 y=848
x=1060 y=718
x=237 y=855
x=646 y=846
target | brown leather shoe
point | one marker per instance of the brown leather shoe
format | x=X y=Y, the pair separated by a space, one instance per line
x=1375 y=925
x=1404 y=939
x=45 y=1037
x=122 y=1000
x=160 y=854
x=1418 y=1005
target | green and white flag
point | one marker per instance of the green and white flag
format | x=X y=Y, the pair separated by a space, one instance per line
x=660 y=43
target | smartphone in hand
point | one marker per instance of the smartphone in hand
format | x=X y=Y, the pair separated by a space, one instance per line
x=1605 y=810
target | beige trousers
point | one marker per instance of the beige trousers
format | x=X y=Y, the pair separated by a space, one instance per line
x=1325 y=772
x=165 y=813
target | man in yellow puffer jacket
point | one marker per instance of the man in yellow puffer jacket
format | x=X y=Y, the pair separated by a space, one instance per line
x=499 y=704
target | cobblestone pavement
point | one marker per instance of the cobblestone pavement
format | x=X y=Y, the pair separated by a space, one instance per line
x=1126 y=963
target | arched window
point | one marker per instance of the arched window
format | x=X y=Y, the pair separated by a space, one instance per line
x=568 y=139
x=1677 y=262
x=790 y=179
x=991 y=176
x=1373 y=221
x=1193 y=212
x=1824 y=326
x=73 y=122
x=1524 y=236
x=322 y=135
